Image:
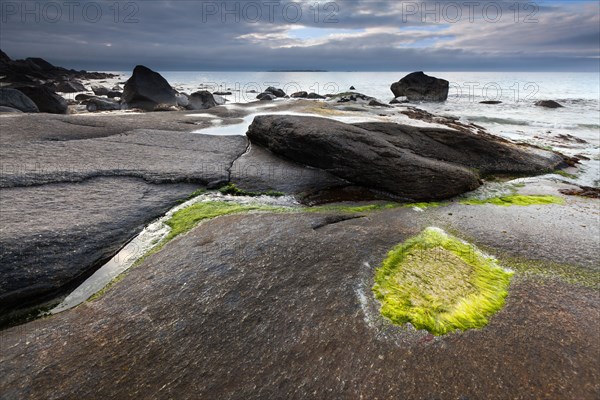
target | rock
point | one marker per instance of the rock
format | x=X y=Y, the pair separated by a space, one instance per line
x=100 y=90
x=275 y=92
x=146 y=89
x=69 y=87
x=347 y=97
x=251 y=91
x=13 y=98
x=548 y=104
x=117 y=88
x=4 y=58
x=300 y=95
x=4 y=109
x=483 y=152
x=410 y=162
x=377 y=103
x=223 y=93
x=490 y=102
x=352 y=88
x=266 y=96
x=112 y=94
x=182 y=99
x=101 y=104
x=83 y=97
x=315 y=96
x=201 y=100
x=45 y=99
x=420 y=87
x=361 y=157
x=219 y=100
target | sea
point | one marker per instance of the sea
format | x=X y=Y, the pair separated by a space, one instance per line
x=573 y=130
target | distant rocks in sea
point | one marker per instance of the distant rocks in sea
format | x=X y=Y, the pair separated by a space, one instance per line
x=421 y=87
x=271 y=93
x=490 y=102
x=548 y=104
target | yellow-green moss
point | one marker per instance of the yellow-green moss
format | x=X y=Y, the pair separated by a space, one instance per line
x=352 y=209
x=441 y=284
x=517 y=200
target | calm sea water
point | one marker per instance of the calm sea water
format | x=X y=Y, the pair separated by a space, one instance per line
x=516 y=118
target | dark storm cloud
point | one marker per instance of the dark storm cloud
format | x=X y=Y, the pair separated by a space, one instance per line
x=345 y=35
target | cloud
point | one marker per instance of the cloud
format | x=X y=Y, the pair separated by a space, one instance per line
x=341 y=35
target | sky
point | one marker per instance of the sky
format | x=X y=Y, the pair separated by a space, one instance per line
x=340 y=35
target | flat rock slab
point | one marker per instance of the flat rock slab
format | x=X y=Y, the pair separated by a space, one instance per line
x=156 y=156
x=280 y=306
x=54 y=236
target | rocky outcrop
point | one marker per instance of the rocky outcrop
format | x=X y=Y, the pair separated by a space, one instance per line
x=266 y=96
x=420 y=87
x=146 y=89
x=16 y=99
x=45 y=99
x=201 y=100
x=548 y=104
x=360 y=156
x=100 y=90
x=275 y=91
x=409 y=162
x=315 y=96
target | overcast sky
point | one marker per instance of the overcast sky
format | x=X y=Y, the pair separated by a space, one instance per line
x=344 y=35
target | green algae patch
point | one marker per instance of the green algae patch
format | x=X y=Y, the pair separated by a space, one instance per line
x=187 y=218
x=233 y=190
x=342 y=208
x=440 y=283
x=517 y=200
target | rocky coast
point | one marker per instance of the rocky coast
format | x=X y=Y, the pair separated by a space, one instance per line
x=251 y=298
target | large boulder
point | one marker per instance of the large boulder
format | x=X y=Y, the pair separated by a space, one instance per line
x=410 y=162
x=299 y=95
x=13 y=98
x=359 y=156
x=45 y=99
x=69 y=87
x=201 y=100
x=4 y=109
x=100 y=90
x=146 y=89
x=420 y=87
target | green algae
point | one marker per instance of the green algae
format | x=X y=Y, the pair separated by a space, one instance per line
x=516 y=200
x=440 y=284
x=565 y=174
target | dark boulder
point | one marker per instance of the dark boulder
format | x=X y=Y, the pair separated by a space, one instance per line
x=410 y=162
x=113 y=93
x=275 y=92
x=492 y=102
x=223 y=93
x=548 y=104
x=266 y=96
x=361 y=157
x=13 y=98
x=299 y=95
x=352 y=88
x=45 y=99
x=4 y=109
x=83 y=97
x=420 y=87
x=146 y=89
x=4 y=58
x=69 y=87
x=201 y=100
x=100 y=90
x=101 y=104
x=315 y=96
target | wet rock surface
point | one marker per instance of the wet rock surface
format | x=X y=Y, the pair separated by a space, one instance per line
x=53 y=236
x=280 y=306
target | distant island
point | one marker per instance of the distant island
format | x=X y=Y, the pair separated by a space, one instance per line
x=298 y=70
